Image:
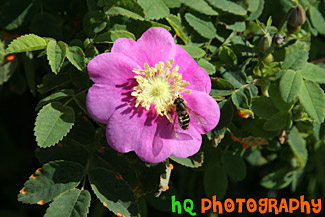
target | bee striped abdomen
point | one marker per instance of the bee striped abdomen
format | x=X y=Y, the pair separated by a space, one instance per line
x=184 y=121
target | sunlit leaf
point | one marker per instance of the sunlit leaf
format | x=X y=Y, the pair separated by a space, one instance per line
x=25 y=43
x=228 y=6
x=114 y=11
x=56 y=55
x=317 y=19
x=154 y=9
x=53 y=122
x=204 y=28
x=298 y=146
x=290 y=84
x=207 y=66
x=313 y=72
x=76 y=57
x=116 y=34
x=296 y=55
x=312 y=98
x=193 y=161
x=200 y=6
x=175 y=22
x=256 y=8
x=70 y=203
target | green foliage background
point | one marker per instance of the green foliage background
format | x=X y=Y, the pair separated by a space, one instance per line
x=269 y=142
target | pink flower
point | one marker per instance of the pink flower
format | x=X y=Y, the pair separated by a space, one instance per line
x=134 y=89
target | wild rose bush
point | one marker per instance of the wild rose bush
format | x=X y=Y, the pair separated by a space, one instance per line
x=106 y=74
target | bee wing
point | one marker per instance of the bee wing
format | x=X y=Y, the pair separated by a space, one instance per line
x=177 y=131
x=197 y=118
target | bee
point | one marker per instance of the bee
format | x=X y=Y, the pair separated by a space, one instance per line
x=183 y=116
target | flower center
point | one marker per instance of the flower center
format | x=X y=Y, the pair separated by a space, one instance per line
x=159 y=86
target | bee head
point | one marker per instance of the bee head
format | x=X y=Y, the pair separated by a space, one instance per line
x=178 y=100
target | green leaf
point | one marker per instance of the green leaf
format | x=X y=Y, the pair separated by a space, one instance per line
x=317 y=19
x=56 y=55
x=200 y=6
x=194 y=51
x=118 y=197
x=256 y=8
x=234 y=74
x=54 y=97
x=94 y=22
x=227 y=55
x=121 y=34
x=154 y=9
x=312 y=98
x=277 y=180
x=290 y=84
x=25 y=43
x=129 y=5
x=53 y=122
x=298 y=146
x=193 y=161
x=256 y=128
x=107 y=158
x=6 y=70
x=15 y=12
x=51 y=180
x=114 y=11
x=240 y=100
x=2 y=51
x=226 y=116
x=263 y=107
x=296 y=55
x=233 y=22
x=207 y=66
x=228 y=6
x=70 y=203
x=173 y=3
x=234 y=165
x=215 y=182
x=277 y=100
x=104 y=37
x=279 y=121
x=76 y=57
x=313 y=72
x=68 y=149
x=221 y=87
x=176 y=24
x=204 y=28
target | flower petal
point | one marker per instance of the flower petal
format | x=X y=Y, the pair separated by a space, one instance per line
x=186 y=148
x=102 y=100
x=131 y=129
x=204 y=105
x=156 y=44
x=192 y=72
x=111 y=68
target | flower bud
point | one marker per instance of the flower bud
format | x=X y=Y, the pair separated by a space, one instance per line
x=296 y=18
x=265 y=45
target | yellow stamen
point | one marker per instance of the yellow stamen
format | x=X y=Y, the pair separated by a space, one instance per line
x=160 y=86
